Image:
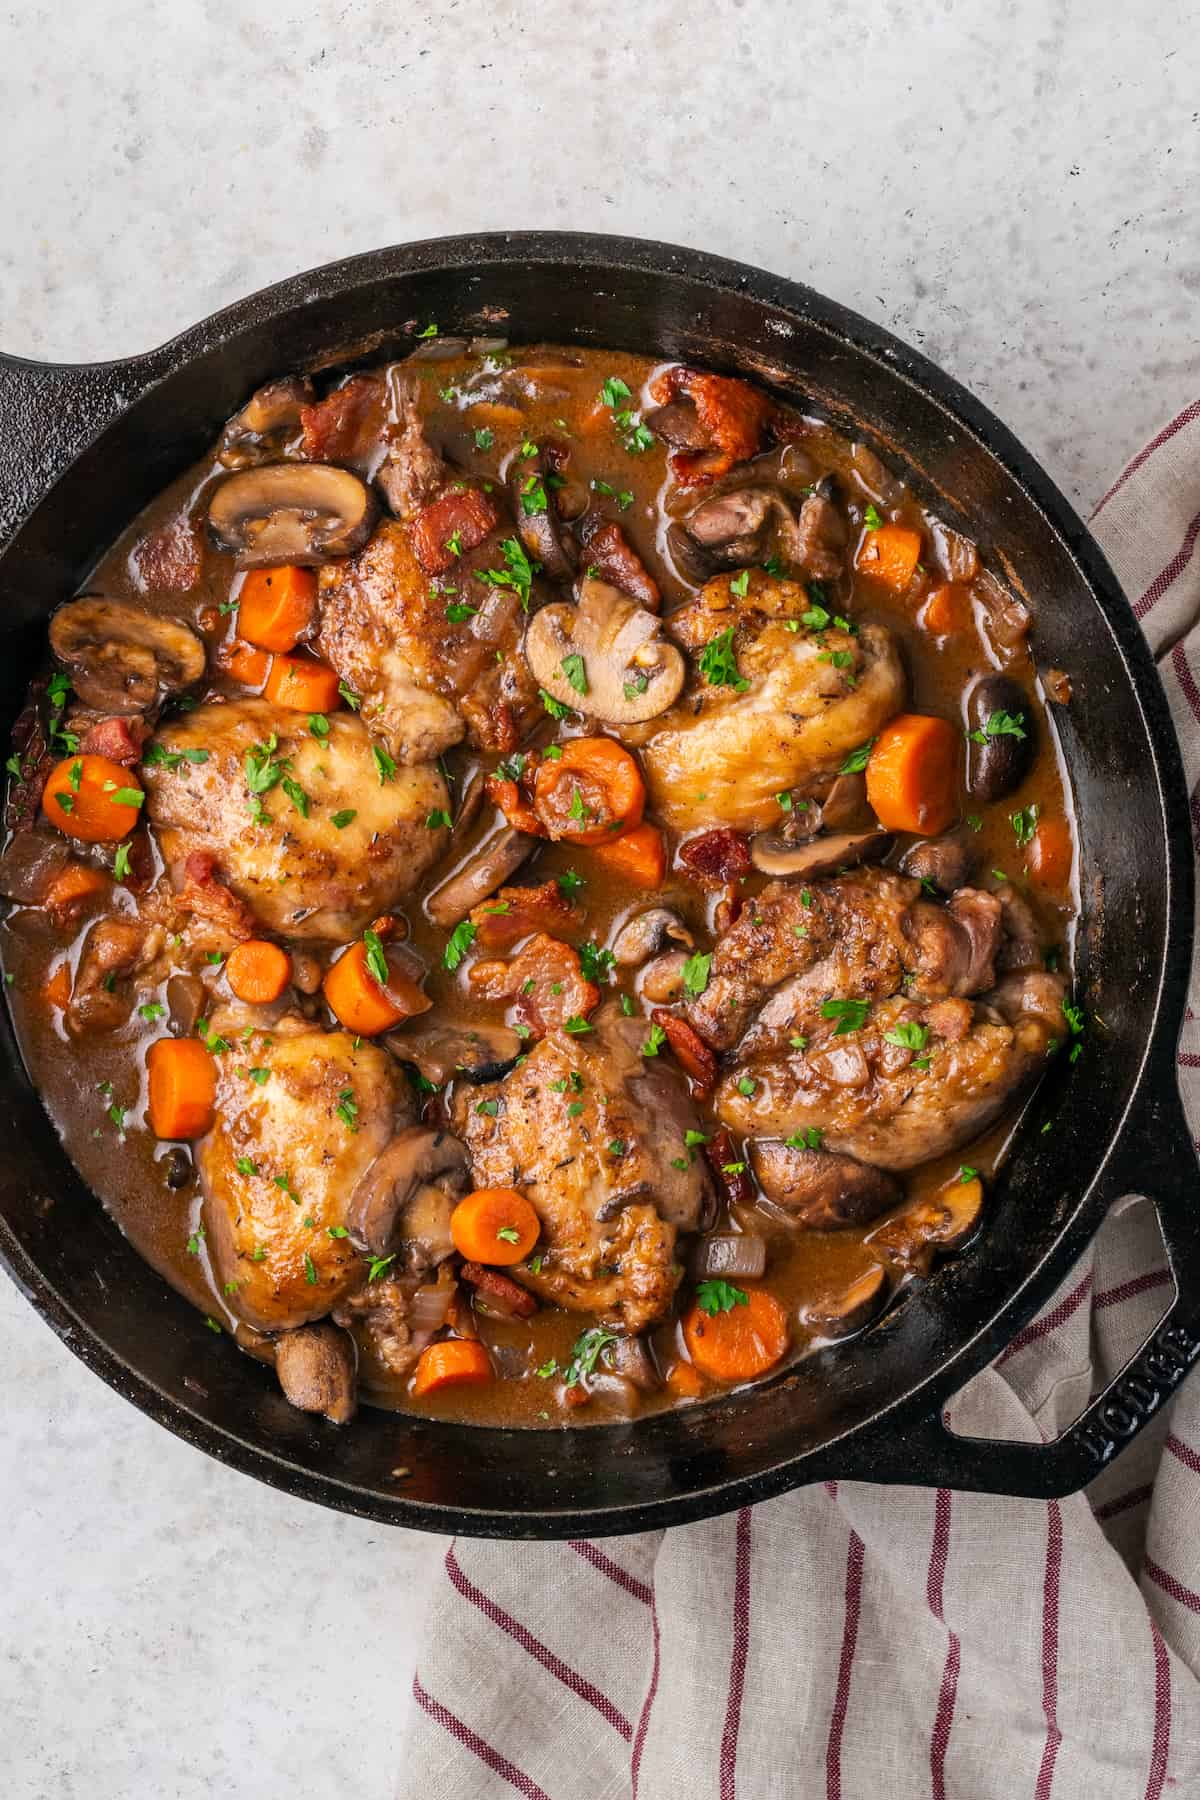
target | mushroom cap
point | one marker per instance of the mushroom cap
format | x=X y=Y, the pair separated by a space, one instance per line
x=839 y=1314
x=122 y=658
x=421 y=1168
x=487 y=867
x=317 y=1366
x=291 y=512
x=540 y=526
x=629 y=671
x=819 y=856
x=257 y=433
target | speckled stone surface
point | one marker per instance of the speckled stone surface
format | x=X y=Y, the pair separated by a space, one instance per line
x=1010 y=186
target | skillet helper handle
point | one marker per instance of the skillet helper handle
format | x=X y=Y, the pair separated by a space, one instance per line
x=50 y=411
x=1157 y=1158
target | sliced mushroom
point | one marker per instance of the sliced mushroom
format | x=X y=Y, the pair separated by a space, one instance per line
x=476 y=1052
x=605 y=656
x=260 y=432
x=640 y=937
x=487 y=868
x=773 y=855
x=836 y=1315
x=820 y=1190
x=845 y=807
x=730 y=1256
x=536 y=511
x=291 y=513
x=317 y=1367
x=944 y=861
x=630 y=1358
x=942 y=1222
x=408 y=1194
x=123 y=659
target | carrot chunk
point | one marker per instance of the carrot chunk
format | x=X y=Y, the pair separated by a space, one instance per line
x=494 y=1225
x=72 y=888
x=947 y=610
x=683 y=1381
x=912 y=776
x=638 y=856
x=258 y=971
x=591 y=794
x=303 y=683
x=58 y=987
x=183 y=1088
x=92 y=798
x=1051 y=853
x=246 y=664
x=890 y=554
x=363 y=1003
x=453 y=1362
x=741 y=1343
x=276 y=607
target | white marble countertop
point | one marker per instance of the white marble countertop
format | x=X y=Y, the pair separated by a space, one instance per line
x=1010 y=187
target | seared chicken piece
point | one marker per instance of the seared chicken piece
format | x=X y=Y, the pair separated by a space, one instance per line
x=263 y=804
x=766 y=712
x=281 y=1162
x=429 y=676
x=612 y=1182
x=855 y=936
x=868 y=1096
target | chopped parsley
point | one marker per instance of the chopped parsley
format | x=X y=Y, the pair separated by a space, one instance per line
x=533 y=496
x=576 y=673
x=816 y=617
x=383 y=763
x=1076 y=1024
x=375 y=959
x=858 y=759
x=655 y=1040
x=460 y=941
x=575 y=1025
x=740 y=584
x=1024 y=823
x=999 y=724
x=595 y=962
x=157 y=757
x=296 y=795
x=344 y=818
x=872 y=518
x=485 y=437
x=378 y=1265
x=614 y=391
x=310 y=1270
x=586 y=1352
x=347 y=1109
x=908 y=1035
x=509 y=1233
x=438 y=820
x=318 y=726
x=720 y=1296
x=352 y=700
x=245 y=1166
x=851 y=1015
x=966 y=1173
x=517 y=574
x=747 y=1085
x=153 y=1009
x=554 y=707
x=569 y=882
x=812 y=1139
x=121 y=862
x=696 y=971
x=718 y=664
x=459 y=611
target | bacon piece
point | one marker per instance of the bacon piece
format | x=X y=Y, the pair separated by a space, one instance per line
x=344 y=427
x=516 y=912
x=119 y=739
x=718 y=857
x=545 y=979
x=732 y=414
x=691 y=1052
x=450 y=526
x=514 y=1299
x=170 y=560
x=617 y=562
x=734 y=1182
x=206 y=895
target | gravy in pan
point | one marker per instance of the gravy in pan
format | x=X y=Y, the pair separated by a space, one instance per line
x=815 y=537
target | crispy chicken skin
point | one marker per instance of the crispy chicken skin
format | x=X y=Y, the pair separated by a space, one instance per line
x=869 y=1099
x=612 y=1185
x=267 y=1222
x=722 y=753
x=428 y=680
x=300 y=876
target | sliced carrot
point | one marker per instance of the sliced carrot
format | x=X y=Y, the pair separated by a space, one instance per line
x=890 y=554
x=362 y=1003
x=277 y=606
x=683 y=1381
x=947 y=610
x=494 y=1225
x=58 y=987
x=258 y=971
x=453 y=1362
x=303 y=683
x=739 y=1344
x=183 y=1088
x=912 y=776
x=494 y=412
x=73 y=887
x=246 y=664
x=1051 y=853
x=638 y=856
x=591 y=793
x=92 y=798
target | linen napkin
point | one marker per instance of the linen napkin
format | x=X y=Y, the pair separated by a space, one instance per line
x=852 y=1641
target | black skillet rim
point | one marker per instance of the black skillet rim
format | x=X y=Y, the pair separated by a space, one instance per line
x=473 y=255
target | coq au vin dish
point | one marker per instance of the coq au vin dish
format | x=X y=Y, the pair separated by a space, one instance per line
x=539 y=883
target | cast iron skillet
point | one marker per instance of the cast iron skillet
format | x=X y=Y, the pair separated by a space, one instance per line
x=82 y=449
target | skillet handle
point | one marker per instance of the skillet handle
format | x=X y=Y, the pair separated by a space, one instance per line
x=1158 y=1158
x=50 y=411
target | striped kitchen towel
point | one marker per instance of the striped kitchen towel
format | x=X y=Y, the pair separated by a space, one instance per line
x=851 y=1642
